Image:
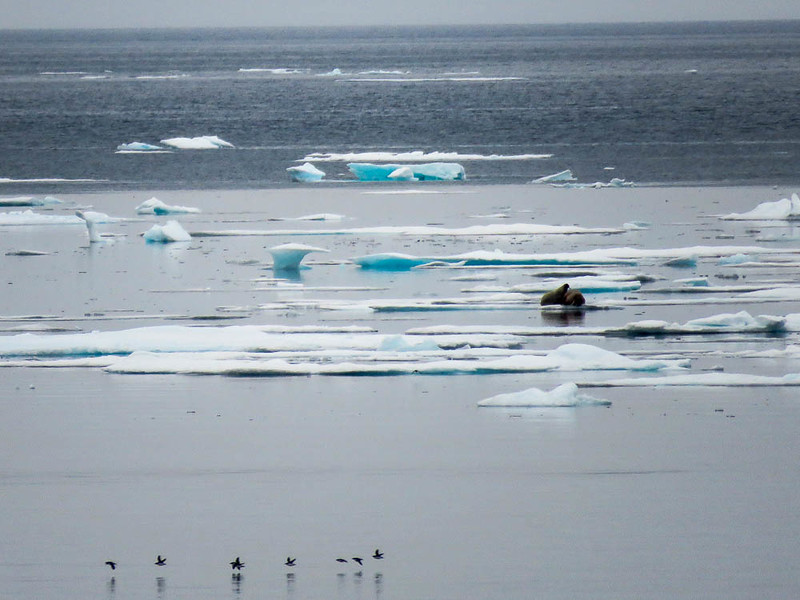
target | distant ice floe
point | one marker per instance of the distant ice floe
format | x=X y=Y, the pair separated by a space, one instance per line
x=414 y=156
x=305 y=173
x=274 y=71
x=154 y=206
x=616 y=182
x=588 y=284
x=436 y=171
x=785 y=209
x=560 y=177
x=50 y=180
x=257 y=351
x=391 y=261
x=134 y=147
x=701 y=379
x=563 y=396
x=29 y=217
x=287 y=257
x=172 y=231
x=29 y=201
x=204 y=142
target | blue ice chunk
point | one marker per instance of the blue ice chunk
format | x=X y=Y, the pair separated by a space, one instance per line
x=437 y=171
x=137 y=147
x=305 y=173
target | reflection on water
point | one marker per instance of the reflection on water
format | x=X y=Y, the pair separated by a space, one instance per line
x=565 y=316
x=161 y=586
x=378 y=585
x=112 y=587
x=290 y=585
x=236 y=583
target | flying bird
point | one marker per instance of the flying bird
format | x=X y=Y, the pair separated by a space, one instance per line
x=237 y=564
x=111 y=564
x=358 y=560
x=160 y=561
x=290 y=561
x=341 y=560
x=378 y=554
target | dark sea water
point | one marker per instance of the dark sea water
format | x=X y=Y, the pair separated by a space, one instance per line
x=710 y=103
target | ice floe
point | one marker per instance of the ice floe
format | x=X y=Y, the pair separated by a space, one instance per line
x=305 y=173
x=172 y=231
x=415 y=156
x=154 y=206
x=559 y=177
x=29 y=217
x=784 y=209
x=701 y=379
x=587 y=284
x=133 y=147
x=435 y=171
x=392 y=261
x=29 y=201
x=566 y=394
x=287 y=257
x=204 y=142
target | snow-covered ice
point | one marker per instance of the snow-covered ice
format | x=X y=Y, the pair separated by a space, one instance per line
x=559 y=177
x=784 y=209
x=204 y=142
x=305 y=173
x=154 y=206
x=564 y=395
x=172 y=231
x=287 y=257
x=138 y=147
x=435 y=171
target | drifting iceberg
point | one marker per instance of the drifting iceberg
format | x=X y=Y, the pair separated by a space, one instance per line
x=287 y=257
x=436 y=171
x=564 y=395
x=171 y=232
x=305 y=173
x=787 y=208
x=90 y=219
x=138 y=147
x=204 y=142
x=154 y=206
x=559 y=177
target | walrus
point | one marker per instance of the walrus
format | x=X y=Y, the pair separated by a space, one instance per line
x=564 y=296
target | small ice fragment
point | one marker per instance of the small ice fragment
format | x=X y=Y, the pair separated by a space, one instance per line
x=736 y=259
x=154 y=206
x=90 y=219
x=561 y=176
x=682 y=262
x=171 y=232
x=204 y=142
x=305 y=173
x=564 y=395
x=138 y=147
x=287 y=257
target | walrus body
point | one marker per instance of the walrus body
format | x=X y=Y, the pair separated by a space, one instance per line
x=564 y=296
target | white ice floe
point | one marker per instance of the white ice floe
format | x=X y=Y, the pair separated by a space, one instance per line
x=415 y=156
x=784 y=209
x=305 y=173
x=564 y=395
x=91 y=219
x=204 y=142
x=138 y=147
x=777 y=293
x=392 y=261
x=287 y=257
x=314 y=217
x=425 y=230
x=172 y=231
x=274 y=71
x=154 y=206
x=30 y=217
x=701 y=379
x=435 y=171
x=614 y=183
x=559 y=177
x=29 y=201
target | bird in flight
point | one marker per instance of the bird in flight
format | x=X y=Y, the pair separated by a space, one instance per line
x=111 y=564
x=358 y=560
x=378 y=554
x=160 y=561
x=237 y=564
x=290 y=561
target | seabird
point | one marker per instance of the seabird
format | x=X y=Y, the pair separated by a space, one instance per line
x=342 y=560
x=290 y=561
x=358 y=560
x=378 y=554
x=160 y=561
x=237 y=564
x=111 y=564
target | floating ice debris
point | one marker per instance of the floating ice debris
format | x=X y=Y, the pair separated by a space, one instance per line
x=741 y=322
x=578 y=357
x=91 y=218
x=332 y=73
x=589 y=284
x=566 y=394
x=274 y=71
x=29 y=201
x=682 y=262
x=436 y=171
x=138 y=147
x=154 y=206
x=50 y=180
x=26 y=253
x=694 y=281
x=736 y=259
x=172 y=231
x=778 y=293
x=314 y=217
x=787 y=208
x=305 y=173
x=559 y=177
x=402 y=343
x=287 y=257
x=205 y=142
x=415 y=156
x=636 y=225
x=616 y=182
